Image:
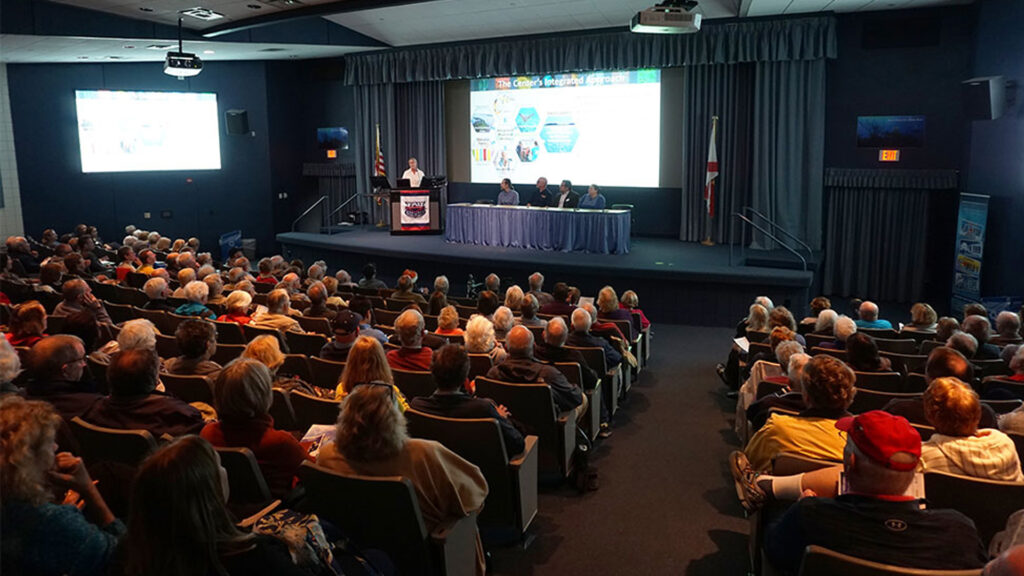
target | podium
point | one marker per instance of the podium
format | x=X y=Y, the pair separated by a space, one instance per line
x=416 y=210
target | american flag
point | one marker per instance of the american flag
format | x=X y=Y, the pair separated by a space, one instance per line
x=712 y=171
x=378 y=159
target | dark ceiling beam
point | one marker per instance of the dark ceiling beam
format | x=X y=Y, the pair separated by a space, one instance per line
x=325 y=9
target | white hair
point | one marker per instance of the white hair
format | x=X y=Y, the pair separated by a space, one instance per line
x=343 y=277
x=137 y=334
x=492 y=282
x=10 y=363
x=155 y=288
x=785 y=350
x=153 y=237
x=844 y=328
x=204 y=271
x=409 y=327
x=441 y=284
x=556 y=332
x=479 y=335
x=795 y=370
x=196 y=291
x=1007 y=323
x=239 y=299
x=581 y=320
x=536 y=281
x=514 y=296
x=504 y=319
x=764 y=301
x=826 y=321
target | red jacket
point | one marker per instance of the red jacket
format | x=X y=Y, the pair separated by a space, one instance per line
x=411 y=358
x=278 y=453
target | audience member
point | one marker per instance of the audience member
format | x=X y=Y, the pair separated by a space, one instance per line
x=371 y=441
x=922 y=319
x=196 y=293
x=963 y=343
x=179 y=523
x=862 y=354
x=450 y=368
x=56 y=365
x=236 y=308
x=828 y=390
x=875 y=520
x=448 y=322
x=520 y=366
x=630 y=301
x=975 y=309
x=242 y=396
x=278 y=315
x=487 y=303
x=818 y=305
x=826 y=322
x=318 y=308
x=945 y=328
x=608 y=309
x=536 y=283
x=184 y=276
x=10 y=368
x=133 y=403
x=404 y=291
x=513 y=297
x=441 y=285
x=981 y=329
x=843 y=329
x=78 y=297
x=792 y=360
x=215 y=288
x=412 y=355
x=559 y=304
x=493 y=283
x=552 y=349
x=480 y=339
x=197 y=341
x=19 y=251
x=504 y=320
x=158 y=292
x=582 y=338
x=868 y=312
x=43 y=534
x=346 y=330
x=437 y=302
x=1008 y=327
x=367 y=363
x=27 y=324
x=362 y=306
x=528 y=312
x=942 y=362
x=369 y=279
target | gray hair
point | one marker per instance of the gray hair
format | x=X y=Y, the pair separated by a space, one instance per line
x=214 y=283
x=238 y=300
x=204 y=271
x=785 y=350
x=409 y=327
x=520 y=342
x=137 y=334
x=479 y=335
x=278 y=301
x=1007 y=323
x=441 y=284
x=10 y=363
x=977 y=326
x=197 y=292
x=844 y=328
x=795 y=370
x=581 y=320
x=343 y=277
x=826 y=321
x=766 y=302
x=155 y=288
x=492 y=282
x=757 y=318
x=963 y=343
x=536 y=281
x=504 y=319
x=556 y=332
x=1016 y=363
x=514 y=297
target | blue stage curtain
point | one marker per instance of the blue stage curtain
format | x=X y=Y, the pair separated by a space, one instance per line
x=877 y=231
x=810 y=38
x=724 y=91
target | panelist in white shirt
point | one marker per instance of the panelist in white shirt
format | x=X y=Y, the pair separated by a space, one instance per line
x=414 y=175
x=567 y=197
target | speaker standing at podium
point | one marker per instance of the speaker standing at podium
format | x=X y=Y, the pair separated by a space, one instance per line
x=414 y=175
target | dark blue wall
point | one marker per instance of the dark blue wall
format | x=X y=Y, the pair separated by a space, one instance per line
x=997 y=148
x=55 y=193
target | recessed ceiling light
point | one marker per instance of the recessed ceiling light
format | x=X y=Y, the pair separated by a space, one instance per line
x=207 y=51
x=145 y=9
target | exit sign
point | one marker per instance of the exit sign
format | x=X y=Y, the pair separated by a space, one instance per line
x=888 y=155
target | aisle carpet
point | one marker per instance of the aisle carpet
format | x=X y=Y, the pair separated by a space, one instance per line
x=665 y=504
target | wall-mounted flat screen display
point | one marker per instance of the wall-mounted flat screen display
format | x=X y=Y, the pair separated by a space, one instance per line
x=332 y=138
x=890 y=131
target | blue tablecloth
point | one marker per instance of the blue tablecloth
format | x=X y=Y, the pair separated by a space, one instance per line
x=558 y=229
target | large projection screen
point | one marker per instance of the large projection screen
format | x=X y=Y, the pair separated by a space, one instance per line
x=122 y=131
x=600 y=127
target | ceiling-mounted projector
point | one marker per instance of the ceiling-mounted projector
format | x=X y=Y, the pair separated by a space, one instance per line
x=670 y=17
x=182 y=64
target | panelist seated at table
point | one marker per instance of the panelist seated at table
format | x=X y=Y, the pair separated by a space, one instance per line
x=508 y=195
x=566 y=198
x=541 y=197
x=594 y=200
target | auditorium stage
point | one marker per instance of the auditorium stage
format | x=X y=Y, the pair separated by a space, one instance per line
x=678 y=282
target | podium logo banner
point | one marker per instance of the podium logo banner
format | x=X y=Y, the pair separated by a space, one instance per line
x=415 y=208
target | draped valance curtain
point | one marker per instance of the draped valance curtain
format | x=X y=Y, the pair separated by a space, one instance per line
x=811 y=38
x=877 y=223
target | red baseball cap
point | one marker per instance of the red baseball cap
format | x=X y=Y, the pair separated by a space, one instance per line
x=883 y=436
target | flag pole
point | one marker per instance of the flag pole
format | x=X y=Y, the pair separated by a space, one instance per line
x=711 y=186
x=377 y=163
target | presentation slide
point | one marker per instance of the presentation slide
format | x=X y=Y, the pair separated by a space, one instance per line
x=144 y=131
x=600 y=127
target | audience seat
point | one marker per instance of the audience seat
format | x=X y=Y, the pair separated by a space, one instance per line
x=225 y=353
x=414 y=383
x=281 y=410
x=385 y=317
x=263 y=287
x=311 y=410
x=99 y=444
x=384 y=513
x=923 y=430
x=900 y=346
x=594 y=357
x=430 y=323
x=757 y=336
x=157 y=317
x=840 y=354
x=130 y=296
x=316 y=324
x=592 y=420
x=880 y=333
x=173 y=320
x=880 y=381
x=119 y=313
x=98 y=372
x=190 y=388
x=297 y=365
x=534 y=407
x=308 y=344
x=479 y=365
x=55 y=324
x=868 y=399
x=452 y=338
x=325 y=373
x=906 y=363
x=136 y=280
x=167 y=346
x=1012 y=386
x=818 y=560
x=253 y=332
x=928 y=345
x=1003 y=406
x=994 y=367
x=538 y=333
x=988 y=502
x=247 y=486
x=103 y=291
x=915 y=382
x=465 y=311
x=815 y=340
x=511 y=478
x=229 y=333
x=765 y=388
x=759 y=348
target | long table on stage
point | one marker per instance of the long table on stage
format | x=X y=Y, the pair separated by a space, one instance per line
x=557 y=229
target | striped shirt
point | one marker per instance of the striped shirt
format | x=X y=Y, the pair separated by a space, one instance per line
x=988 y=454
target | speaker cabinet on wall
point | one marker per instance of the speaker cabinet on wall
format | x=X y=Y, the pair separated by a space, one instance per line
x=984 y=98
x=237 y=122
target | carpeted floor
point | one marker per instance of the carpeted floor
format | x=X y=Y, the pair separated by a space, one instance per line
x=666 y=504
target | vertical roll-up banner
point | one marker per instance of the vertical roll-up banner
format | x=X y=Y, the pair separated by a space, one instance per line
x=970 y=244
